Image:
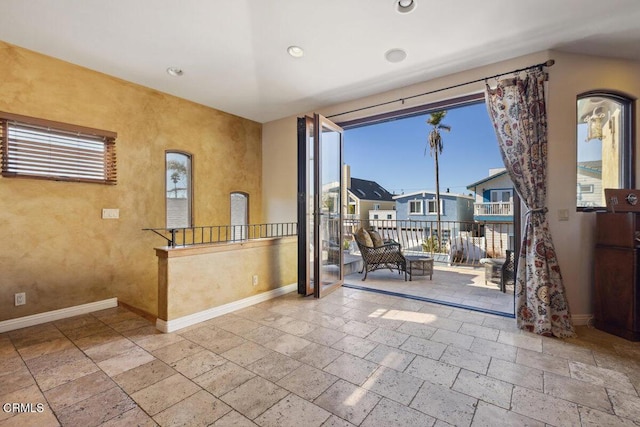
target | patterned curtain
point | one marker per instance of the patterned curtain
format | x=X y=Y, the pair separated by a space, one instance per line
x=517 y=109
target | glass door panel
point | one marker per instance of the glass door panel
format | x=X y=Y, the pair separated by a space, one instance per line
x=320 y=195
x=329 y=206
x=306 y=202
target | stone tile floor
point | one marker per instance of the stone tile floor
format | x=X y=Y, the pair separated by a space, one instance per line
x=352 y=358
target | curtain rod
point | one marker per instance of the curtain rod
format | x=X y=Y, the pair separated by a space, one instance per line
x=547 y=63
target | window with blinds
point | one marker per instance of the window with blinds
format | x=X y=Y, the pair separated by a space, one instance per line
x=37 y=148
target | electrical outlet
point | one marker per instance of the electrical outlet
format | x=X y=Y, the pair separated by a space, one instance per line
x=255 y=280
x=20 y=298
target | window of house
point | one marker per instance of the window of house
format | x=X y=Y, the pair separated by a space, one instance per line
x=239 y=215
x=604 y=147
x=38 y=148
x=178 y=189
x=351 y=209
x=431 y=207
x=415 y=207
x=389 y=216
x=376 y=206
x=585 y=188
x=501 y=196
x=375 y=216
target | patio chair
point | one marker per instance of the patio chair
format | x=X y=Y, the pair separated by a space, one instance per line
x=378 y=254
x=499 y=271
x=508 y=272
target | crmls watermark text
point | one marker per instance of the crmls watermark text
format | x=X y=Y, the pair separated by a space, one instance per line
x=20 y=408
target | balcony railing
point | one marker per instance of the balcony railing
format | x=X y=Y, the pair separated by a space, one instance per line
x=224 y=233
x=493 y=209
x=462 y=242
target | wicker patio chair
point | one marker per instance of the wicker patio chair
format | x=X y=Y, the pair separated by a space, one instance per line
x=384 y=255
x=508 y=272
x=500 y=271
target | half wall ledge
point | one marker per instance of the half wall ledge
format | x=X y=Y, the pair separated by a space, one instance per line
x=194 y=281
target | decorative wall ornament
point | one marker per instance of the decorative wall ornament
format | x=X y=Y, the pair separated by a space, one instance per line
x=595 y=124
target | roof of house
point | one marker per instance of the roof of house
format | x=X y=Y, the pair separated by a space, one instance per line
x=369 y=190
x=425 y=192
x=489 y=178
x=590 y=168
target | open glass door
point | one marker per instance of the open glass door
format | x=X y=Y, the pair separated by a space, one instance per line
x=306 y=197
x=320 y=200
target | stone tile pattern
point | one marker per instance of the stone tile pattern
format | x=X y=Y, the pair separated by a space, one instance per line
x=354 y=358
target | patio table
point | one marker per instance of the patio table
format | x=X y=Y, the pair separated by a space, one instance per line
x=423 y=263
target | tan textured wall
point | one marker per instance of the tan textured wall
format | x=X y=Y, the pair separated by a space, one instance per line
x=202 y=278
x=55 y=247
x=570 y=76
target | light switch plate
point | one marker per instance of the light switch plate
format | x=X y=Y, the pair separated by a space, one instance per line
x=110 y=213
x=563 y=214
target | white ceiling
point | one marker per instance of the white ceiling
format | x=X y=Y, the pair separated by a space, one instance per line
x=233 y=52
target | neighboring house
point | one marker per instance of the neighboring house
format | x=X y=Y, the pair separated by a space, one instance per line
x=383 y=215
x=494 y=208
x=421 y=206
x=382 y=218
x=590 y=192
x=367 y=199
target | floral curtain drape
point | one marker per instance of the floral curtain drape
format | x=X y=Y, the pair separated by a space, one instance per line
x=518 y=112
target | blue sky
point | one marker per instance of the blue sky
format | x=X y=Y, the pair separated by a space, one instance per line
x=588 y=150
x=392 y=153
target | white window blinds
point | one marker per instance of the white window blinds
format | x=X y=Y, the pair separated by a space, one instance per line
x=37 y=148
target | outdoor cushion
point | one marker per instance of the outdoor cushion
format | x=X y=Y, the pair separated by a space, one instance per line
x=375 y=237
x=363 y=237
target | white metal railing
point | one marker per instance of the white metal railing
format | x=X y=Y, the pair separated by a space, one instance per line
x=494 y=209
x=463 y=242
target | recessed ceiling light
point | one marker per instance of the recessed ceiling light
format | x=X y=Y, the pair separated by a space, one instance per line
x=395 y=55
x=295 y=51
x=175 y=71
x=405 y=6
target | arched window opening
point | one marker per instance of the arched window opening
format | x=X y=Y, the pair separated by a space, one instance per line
x=604 y=147
x=239 y=215
x=178 y=189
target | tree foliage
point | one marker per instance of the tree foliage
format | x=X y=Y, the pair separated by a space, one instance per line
x=177 y=166
x=435 y=147
x=179 y=170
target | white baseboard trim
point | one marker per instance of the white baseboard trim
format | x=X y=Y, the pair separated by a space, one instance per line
x=582 y=319
x=50 y=316
x=192 y=319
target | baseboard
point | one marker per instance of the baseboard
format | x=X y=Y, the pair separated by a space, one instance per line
x=50 y=316
x=582 y=319
x=192 y=319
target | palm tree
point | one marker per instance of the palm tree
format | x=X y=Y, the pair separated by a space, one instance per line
x=179 y=170
x=435 y=147
x=175 y=177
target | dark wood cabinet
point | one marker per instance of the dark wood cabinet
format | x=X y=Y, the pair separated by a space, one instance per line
x=617 y=274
